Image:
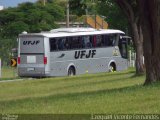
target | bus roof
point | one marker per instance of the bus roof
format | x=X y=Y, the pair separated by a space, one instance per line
x=64 y=32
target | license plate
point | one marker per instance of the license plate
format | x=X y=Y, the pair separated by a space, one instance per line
x=30 y=69
x=31 y=59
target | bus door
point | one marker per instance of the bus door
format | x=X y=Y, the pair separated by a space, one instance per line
x=31 y=57
x=123 y=44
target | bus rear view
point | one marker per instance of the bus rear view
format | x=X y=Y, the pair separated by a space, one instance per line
x=32 y=56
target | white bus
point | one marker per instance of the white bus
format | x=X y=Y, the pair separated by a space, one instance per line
x=71 y=51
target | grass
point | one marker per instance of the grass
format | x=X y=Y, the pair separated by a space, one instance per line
x=8 y=73
x=119 y=92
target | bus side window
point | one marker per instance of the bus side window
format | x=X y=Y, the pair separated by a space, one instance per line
x=53 y=44
x=80 y=42
x=99 y=40
x=91 y=38
x=103 y=41
x=109 y=40
x=86 y=42
x=61 y=42
x=75 y=42
x=94 y=41
x=66 y=44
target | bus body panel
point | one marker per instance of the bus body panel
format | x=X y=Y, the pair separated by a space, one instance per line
x=47 y=55
x=61 y=60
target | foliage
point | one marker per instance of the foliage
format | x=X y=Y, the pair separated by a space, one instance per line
x=83 y=7
x=113 y=15
x=14 y=28
x=30 y=17
x=8 y=73
x=6 y=46
x=107 y=8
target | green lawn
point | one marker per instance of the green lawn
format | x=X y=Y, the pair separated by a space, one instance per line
x=119 y=92
x=8 y=73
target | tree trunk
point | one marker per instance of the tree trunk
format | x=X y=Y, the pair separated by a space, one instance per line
x=150 y=16
x=138 y=41
x=128 y=10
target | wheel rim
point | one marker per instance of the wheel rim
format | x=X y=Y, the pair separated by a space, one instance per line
x=111 y=68
x=71 y=73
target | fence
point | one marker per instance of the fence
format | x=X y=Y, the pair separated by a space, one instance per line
x=132 y=58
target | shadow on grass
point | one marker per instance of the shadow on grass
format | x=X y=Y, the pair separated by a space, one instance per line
x=89 y=83
x=137 y=75
x=94 y=93
x=75 y=95
x=93 y=83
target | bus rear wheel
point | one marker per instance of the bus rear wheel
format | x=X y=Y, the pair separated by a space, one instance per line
x=71 y=71
x=112 y=67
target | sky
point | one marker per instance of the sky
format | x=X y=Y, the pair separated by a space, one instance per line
x=13 y=3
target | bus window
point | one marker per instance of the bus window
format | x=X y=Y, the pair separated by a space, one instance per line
x=87 y=42
x=75 y=42
x=53 y=44
x=67 y=44
x=57 y=44
x=61 y=42
x=91 y=38
x=109 y=40
x=104 y=41
x=99 y=41
x=94 y=41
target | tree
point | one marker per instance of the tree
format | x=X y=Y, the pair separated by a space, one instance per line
x=148 y=17
x=6 y=46
x=78 y=7
x=150 y=21
x=130 y=9
x=14 y=28
x=41 y=18
x=113 y=15
x=30 y=17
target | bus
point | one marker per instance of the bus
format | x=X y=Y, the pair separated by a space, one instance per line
x=71 y=51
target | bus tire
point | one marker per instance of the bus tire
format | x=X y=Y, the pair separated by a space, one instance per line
x=71 y=71
x=112 y=67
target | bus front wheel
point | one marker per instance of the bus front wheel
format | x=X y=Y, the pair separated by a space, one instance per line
x=71 y=71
